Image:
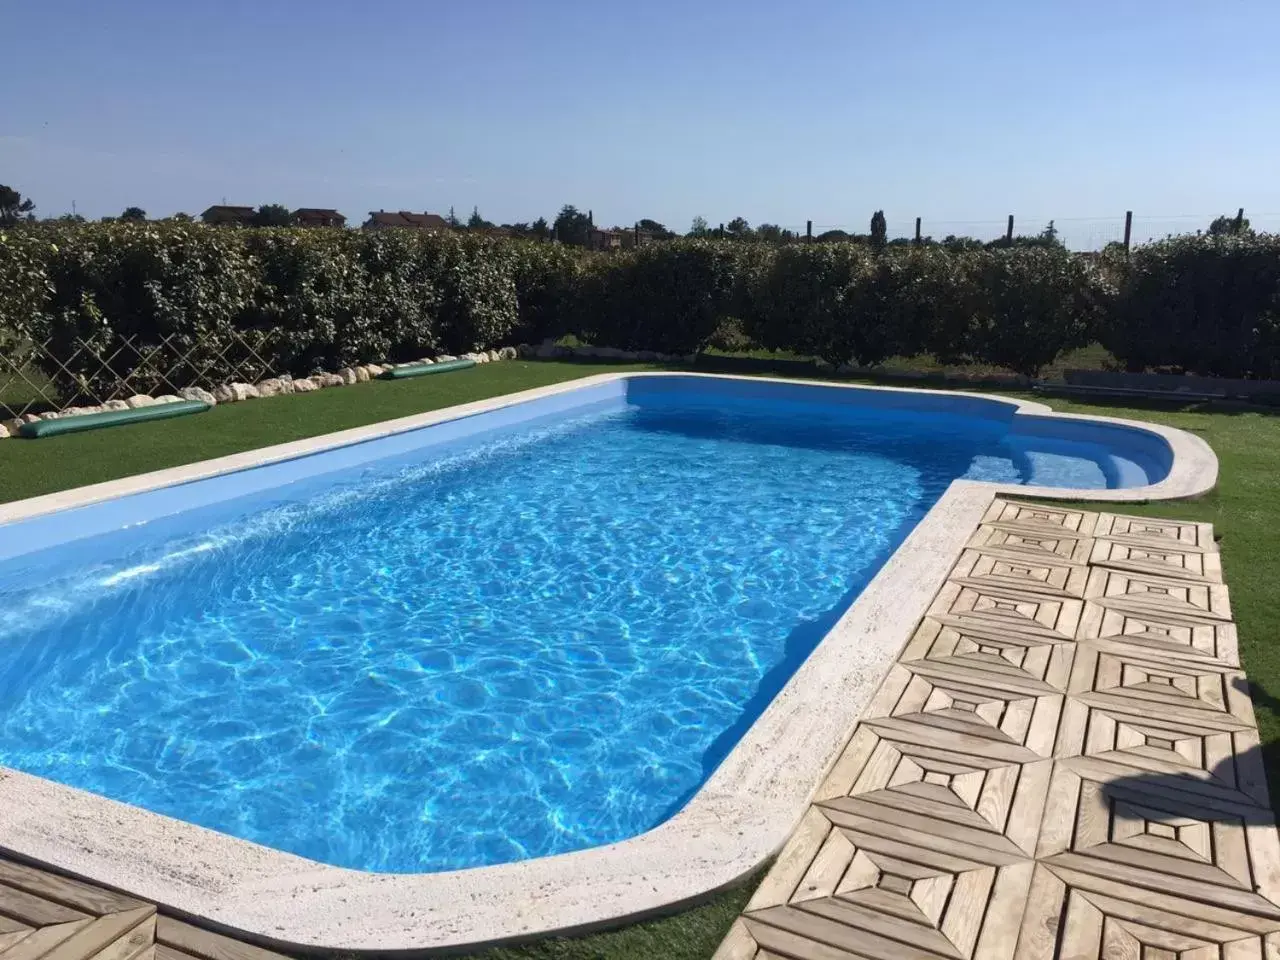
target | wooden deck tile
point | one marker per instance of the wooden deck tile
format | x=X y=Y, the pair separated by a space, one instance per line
x=45 y=916
x=1062 y=764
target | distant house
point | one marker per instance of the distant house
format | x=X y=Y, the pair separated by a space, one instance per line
x=614 y=239
x=383 y=220
x=620 y=238
x=242 y=216
x=317 y=217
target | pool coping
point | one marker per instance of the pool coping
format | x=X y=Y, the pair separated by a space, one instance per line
x=739 y=818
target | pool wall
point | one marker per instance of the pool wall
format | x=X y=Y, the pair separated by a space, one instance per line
x=736 y=821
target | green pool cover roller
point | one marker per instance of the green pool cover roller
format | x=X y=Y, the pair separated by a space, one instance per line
x=112 y=418
x=423 y=369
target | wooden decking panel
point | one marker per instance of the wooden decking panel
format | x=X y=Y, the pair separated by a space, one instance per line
x=1063 y=763
x=45 y=916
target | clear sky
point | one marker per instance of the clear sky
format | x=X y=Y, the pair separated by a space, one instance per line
x=775 y=111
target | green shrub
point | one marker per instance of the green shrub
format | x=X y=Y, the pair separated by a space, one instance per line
x=158 y=300
x=169 y=301
x=1208 y=305
x=1032 y=304
x=669 y=297
x=546 y=277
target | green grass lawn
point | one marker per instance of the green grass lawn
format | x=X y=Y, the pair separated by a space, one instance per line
x=1245 y=511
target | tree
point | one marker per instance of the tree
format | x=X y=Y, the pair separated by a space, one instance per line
x=831 y=236
x=958 y=244
x=879 y=230
x=477 y=222
x=70 y=218
x=699 y=228
x=132 y=215
x=540 y=229
x=772 y=233
x=1226 y=226
x=452 y=219
x=1049 y=236
x=656 y=228
x=739 y=229
x=273 y=215
x=182 y=217
x=13 y=208
x=572 y=226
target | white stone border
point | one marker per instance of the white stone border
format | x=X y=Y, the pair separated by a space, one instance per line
x=738 y=819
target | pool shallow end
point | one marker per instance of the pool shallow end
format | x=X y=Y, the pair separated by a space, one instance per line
x=737 y=820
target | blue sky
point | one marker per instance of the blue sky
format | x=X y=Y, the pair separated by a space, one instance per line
x=957 y=112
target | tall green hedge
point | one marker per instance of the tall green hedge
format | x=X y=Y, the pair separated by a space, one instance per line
x=1208 y=305
x=169 y=298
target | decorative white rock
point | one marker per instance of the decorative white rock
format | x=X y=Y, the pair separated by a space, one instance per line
x=324 y=380
x=304 y=385
x=444 y=358
x=115 y=405
x=274 y=387
x=508 y=353
x=197 y=393
x=4 y=431
x=348 y=375
x=138 y=400
x=362 y=375
x=168 y=398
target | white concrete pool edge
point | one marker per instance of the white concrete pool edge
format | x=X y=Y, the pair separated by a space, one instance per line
x=739 y=818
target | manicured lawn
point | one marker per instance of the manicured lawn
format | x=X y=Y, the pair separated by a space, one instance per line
x=1245 y=511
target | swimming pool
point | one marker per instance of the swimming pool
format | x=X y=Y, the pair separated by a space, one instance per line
x=537 y=629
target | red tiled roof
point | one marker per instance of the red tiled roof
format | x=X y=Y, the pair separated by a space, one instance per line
x=404 y=218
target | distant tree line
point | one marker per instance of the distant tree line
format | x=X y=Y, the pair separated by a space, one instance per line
x=573 y=227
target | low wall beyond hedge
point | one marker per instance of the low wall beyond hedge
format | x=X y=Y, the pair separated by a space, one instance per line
x=325 y=299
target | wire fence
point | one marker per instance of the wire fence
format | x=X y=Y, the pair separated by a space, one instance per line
x=40 y=379
x=1078 y=233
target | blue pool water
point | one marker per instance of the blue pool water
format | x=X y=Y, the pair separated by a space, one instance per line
x=526 y=642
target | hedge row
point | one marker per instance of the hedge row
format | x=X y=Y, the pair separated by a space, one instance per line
x=328 y=298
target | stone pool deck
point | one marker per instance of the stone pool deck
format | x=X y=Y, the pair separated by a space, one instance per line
x=1062 y=763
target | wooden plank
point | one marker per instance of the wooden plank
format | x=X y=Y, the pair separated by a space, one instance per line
x=100 y=934
x=812 y=928
x=777 y=886
x=9 y=925
x=35 y=911
x=71 y=893
x=203 y=943
x=998 y=939
x=1118 y=943
x=931 y=845
x=966 y=909
x=10 y=937
x=41 y=941
x=1192 y=926
x=1038 y=936
x=1144 y=881
x=738 y=944
x=791 y=945
x=134 y=943
x=1027 y=812
x=1081 y=928
x=982 y=838
x=896 y=937
x=824 y=873
x=840 y=780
